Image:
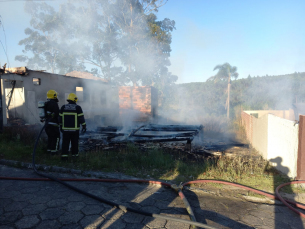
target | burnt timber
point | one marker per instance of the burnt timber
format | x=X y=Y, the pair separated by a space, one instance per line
x=157 y=133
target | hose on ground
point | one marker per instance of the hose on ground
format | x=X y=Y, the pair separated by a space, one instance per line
x=276 y=196
x=176 y=188
x=270 y=195
x=122 y=207
x=286 y=201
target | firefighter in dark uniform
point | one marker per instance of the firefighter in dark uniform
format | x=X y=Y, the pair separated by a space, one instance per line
x=70 y=118
x=52 y=126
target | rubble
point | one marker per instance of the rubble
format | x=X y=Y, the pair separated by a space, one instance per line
x=186 y=139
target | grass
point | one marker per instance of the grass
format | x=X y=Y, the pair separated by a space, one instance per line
x=157 y=164
x=17 y=144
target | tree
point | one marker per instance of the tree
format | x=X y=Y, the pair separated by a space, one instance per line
x=225 y=72
x=121 y=40
x=44 y=41
x=144 y=42
x=72 y=38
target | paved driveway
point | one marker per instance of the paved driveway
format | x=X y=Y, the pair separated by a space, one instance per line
x=47 y=204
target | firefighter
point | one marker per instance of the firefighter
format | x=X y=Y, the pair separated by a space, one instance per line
x=52 y=126
x=70 y=118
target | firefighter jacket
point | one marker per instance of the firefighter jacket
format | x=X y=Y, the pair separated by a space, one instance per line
x=52 y=111
x=71 y=117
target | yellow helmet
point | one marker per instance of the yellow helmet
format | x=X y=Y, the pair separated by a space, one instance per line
x=72 y=97
x=52 y=94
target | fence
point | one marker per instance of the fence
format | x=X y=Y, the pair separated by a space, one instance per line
x=276 y=139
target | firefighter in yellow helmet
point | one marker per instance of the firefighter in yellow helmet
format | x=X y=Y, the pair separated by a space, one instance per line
x=52 y=126
x=71 y=117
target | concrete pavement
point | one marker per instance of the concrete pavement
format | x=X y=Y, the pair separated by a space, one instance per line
x=48 y=204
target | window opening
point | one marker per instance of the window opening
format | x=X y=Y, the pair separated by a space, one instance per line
x=36 y=81
x=80 y=93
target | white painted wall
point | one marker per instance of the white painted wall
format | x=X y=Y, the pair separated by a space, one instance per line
x=283 y=144
x=31 y=104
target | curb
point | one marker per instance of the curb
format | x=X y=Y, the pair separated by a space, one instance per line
x=57 y=169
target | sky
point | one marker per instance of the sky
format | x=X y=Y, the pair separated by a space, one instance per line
x=259 y=37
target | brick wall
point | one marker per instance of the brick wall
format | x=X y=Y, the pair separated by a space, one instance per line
x=301 y=149
x=142 y=100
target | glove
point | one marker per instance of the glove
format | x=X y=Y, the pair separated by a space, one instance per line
x=84 y=128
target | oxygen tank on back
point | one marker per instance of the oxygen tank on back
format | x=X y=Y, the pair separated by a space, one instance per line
x=41 y=109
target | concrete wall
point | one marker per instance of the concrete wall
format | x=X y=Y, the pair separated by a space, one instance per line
x=275 y=138
x=260 y=135
x=99 y=99
x=286 y=114
x=283 y=144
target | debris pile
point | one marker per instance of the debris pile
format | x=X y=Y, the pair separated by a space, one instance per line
x=184 y=140
x=112 y=135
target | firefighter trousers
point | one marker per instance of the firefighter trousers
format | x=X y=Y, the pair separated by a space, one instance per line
x=70 y=136
x=53 y=138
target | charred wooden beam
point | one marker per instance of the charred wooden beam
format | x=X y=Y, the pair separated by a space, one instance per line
x=190 y=134
x=173 y=128
x=227 y=145
x=110 y=133
x=109 y=128
x=155 y=127
x=142 y=140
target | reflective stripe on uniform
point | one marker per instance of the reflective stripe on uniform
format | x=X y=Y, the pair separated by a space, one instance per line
x=75 y=121
x=84 y=123
x=64 y=155
x=80 y=114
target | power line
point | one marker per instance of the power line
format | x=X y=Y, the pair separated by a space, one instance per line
x=5 y=50
x=22 y=98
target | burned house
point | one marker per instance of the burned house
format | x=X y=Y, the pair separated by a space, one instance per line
x=114 y=114
x=103 y=103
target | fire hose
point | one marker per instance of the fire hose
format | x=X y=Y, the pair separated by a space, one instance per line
x=179 y=189
x=122 y=207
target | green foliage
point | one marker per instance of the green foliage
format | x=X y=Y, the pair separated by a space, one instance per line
x=122 y=41
x=225 y=72
x=252 y=93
